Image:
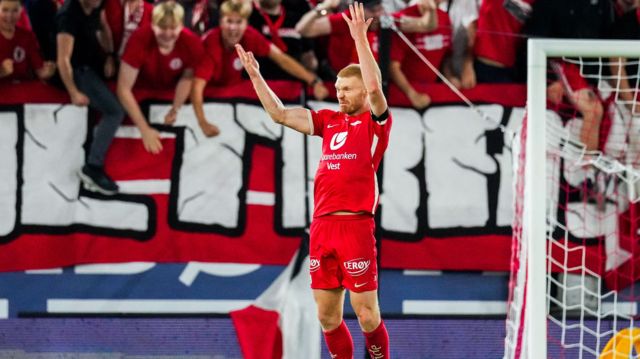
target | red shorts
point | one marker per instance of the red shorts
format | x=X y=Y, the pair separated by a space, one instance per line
x=343 y=253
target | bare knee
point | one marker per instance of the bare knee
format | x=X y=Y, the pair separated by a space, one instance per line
x=368 y=317
x=329 y=318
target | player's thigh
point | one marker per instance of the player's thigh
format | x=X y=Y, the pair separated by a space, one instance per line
x=329 y=301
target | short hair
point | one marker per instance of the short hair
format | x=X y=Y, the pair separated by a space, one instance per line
x=18 y=1
x=239 y=7
x=167 y=13
x=352 y=70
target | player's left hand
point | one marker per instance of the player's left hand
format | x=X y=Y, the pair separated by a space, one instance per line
x=358 y=26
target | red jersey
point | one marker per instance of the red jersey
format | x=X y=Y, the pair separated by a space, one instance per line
x=222 y=65
x=352 y=148
x=434 y=45
x=157 y=70
x=342 y=49
x=497 y=37
x=123 y=22
x=23 y=49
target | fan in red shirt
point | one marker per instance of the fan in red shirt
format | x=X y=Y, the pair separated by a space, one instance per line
x=19 y=51
x=161 y=56
x=124 y=17
x=433 y=45
x=318 y=22
x=342 y=242
x=221 y=65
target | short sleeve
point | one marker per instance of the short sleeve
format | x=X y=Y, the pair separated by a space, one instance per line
x=205 y=69
x=195 y=49
x=316 y=122
x=134 y=54
x=65 y=23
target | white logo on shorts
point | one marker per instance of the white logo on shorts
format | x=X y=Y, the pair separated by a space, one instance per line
x=357 y=267
x=175 y=64
x=314 y=264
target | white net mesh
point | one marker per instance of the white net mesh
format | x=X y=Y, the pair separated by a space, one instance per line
x=592 y=172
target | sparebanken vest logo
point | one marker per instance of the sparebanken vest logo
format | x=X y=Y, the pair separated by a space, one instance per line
x=357 y=267
x=338 y=140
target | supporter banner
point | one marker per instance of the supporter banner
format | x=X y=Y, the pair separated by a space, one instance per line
x=246 y=195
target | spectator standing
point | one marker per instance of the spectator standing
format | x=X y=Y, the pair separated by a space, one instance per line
x=433 y=45
x=160 y=56
x=83 y=37
x=124 y=17
x=574 y=19
x=276 y=22
x=222 y=67
x=464 y=21
x=498 y=39
x=19 y=51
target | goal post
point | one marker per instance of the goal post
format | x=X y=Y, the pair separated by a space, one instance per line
x=528 y=312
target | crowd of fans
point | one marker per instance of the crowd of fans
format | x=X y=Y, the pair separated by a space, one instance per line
x=185 y=46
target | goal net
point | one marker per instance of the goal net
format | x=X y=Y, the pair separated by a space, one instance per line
x=575 y=254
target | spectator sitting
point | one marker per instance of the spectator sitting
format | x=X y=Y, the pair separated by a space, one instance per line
x=19 y=51
x=125 y=17
x=433 y=45
x=277 y=23
x=222 y=65
x=160 y=56
x=341 y=53
x=83 y=37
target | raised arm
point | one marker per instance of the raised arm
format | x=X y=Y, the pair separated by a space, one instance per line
x=296 y=118
x=370 y=72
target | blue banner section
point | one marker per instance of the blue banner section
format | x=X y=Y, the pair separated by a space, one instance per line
x=204 y=288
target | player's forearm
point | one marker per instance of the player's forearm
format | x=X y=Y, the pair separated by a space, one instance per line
x=425 y=23
x=370 y=72
x=269 y=99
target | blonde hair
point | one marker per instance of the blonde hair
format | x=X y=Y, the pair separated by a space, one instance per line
x=167 y=13
x=239 y=7
x=352 y=70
